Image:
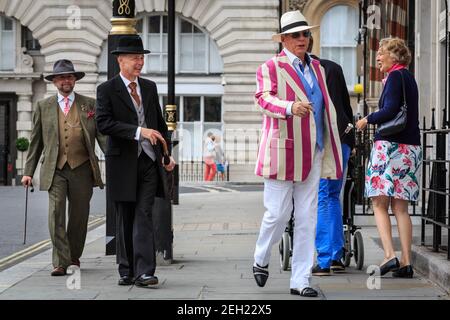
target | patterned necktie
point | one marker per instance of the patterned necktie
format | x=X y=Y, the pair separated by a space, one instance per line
x=66 y=106
x=134 y=93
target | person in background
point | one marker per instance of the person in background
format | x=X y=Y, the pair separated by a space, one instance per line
x=64 y=131
x=209 y=157
x=220 y=157
x=330 y=233
x=128 y=111
x=299 y=145
x=393 y=172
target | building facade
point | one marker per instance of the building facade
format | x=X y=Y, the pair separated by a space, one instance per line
x=219 y=45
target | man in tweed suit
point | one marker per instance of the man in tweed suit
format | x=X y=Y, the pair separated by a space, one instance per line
x=64 y=131
x=299 y=145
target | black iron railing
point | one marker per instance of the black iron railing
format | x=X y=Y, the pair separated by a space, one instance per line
x=435 y=191
x=194 y=171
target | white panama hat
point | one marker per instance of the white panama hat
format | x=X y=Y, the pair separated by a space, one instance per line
x=292 y=21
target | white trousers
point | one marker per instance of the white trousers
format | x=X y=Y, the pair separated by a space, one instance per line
x=279 y=197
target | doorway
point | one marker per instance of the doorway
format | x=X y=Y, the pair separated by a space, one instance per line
x=5 y=109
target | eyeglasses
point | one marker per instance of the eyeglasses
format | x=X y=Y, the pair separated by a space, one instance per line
x=296 y=35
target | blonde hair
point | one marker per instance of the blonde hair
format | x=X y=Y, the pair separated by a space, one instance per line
x=397 y=50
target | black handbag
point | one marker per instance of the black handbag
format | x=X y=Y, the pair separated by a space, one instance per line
x=398 y=123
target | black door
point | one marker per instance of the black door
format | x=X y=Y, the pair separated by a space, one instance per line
x=4 y=141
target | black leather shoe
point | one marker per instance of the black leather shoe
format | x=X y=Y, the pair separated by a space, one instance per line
x=58 y=271
x=337 y=266
x=305 y=292
x=261 y=274
x=391 y=265
x=404 y=272
x=125 y=281
x=146 y=280
x=318 y=271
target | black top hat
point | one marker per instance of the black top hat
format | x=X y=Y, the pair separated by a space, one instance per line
x=130 y=44
x=64 y=67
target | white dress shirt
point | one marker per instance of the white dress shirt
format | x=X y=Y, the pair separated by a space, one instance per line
x=127 y=82
x=295 y=62
x=61 y=102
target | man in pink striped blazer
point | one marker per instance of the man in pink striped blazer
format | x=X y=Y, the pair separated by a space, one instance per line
x=299 y=145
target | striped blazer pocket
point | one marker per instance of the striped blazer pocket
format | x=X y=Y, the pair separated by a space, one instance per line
x=281 y=143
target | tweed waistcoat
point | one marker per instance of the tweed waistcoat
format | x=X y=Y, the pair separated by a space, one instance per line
x=72 y=147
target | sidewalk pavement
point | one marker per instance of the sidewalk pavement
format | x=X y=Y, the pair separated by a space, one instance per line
x=214 y=239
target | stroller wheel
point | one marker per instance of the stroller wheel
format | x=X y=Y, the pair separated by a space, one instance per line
x=285 y=251
x=358 y=245
x=346 y=258
x=347 y=249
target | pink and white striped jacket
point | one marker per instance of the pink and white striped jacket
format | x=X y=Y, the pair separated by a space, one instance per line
x=287 y=143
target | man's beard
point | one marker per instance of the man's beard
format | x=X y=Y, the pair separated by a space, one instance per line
x=66 y=89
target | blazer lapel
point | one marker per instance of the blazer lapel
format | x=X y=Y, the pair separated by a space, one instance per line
x=122 y=92
x=145 y=93
x=289 y=74
x=149 y=111
x=79 y=103
x=316 y=67
x=51 y=117
x=53 y=108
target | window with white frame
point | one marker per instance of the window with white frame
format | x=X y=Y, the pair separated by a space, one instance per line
x=7 y=44
x=197 y=116
x=195 y=51
x=30 y=43
x=338 y=40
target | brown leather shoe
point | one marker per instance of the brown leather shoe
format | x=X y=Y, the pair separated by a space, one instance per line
x=58 y=271
x=75 y=262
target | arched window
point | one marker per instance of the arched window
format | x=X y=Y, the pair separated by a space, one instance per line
x=338 y=39
x=7 y=44
x=195 y=51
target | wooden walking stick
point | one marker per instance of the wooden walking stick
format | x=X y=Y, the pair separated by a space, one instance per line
x=26 y=212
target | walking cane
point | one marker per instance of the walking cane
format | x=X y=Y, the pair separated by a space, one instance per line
x=26 y=211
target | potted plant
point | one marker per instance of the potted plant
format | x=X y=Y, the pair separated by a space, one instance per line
x=22 y=145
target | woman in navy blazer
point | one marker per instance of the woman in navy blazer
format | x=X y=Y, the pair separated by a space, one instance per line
x=393 y=172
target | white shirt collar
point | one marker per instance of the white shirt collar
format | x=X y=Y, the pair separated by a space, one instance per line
x=127 y=82
x=292 y=57
x=71 y=97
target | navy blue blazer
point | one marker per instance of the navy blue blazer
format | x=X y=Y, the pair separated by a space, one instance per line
x=389 y=105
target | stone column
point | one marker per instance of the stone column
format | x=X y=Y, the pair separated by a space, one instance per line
x=24 y=125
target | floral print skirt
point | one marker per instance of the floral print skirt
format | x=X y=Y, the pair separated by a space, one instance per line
x=394 y=171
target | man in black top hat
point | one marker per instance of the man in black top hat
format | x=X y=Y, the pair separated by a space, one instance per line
x=64 y=131
x=128 y=111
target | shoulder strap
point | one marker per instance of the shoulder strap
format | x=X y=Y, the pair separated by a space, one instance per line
x=403 y=87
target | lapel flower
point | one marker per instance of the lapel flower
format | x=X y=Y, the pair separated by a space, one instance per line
x=90 y=112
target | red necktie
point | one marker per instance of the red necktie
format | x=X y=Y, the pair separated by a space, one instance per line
x=134 y=93
x=66 y=106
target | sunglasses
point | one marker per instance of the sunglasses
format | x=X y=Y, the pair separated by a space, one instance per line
x=296 y=35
